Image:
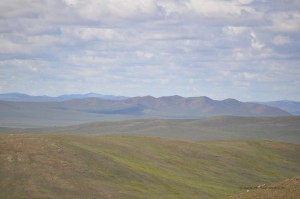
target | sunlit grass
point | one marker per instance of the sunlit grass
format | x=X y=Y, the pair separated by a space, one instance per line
x=60 y=166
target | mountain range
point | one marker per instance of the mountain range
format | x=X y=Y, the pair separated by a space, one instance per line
x=292 y=107
x=76 y=111
x=21 y=97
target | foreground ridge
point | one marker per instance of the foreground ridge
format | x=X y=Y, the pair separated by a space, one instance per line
x=61 y=166
x=289 y=188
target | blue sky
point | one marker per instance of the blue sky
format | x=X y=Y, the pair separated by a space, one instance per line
x=243 y=49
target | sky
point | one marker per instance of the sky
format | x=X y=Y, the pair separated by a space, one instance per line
x=243 y=49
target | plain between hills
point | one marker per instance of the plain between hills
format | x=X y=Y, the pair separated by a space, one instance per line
x=285 y=129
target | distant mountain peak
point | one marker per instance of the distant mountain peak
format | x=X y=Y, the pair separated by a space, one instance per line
x=45 y=98
x=205 y=98
x=231 y=100
x=292 y=107
x=172 y=97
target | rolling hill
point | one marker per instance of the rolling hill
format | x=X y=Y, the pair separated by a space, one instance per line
x=40 y=114
x=61 y=166
x=285 y=129
x=76 y=111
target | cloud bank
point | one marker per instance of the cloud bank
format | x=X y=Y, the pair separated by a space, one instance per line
x=245 y=49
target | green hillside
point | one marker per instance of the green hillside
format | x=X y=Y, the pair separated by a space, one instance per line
x=62 y=166
x=286 y=129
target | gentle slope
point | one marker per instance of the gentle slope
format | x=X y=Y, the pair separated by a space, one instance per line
x=60 y=166
x=285 y=129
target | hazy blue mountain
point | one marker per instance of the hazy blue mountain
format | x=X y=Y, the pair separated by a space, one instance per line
x=201 y=107
x=21 y=97
x=90 y=95
x=24 y=97
x=76 y=111
x=292 y=107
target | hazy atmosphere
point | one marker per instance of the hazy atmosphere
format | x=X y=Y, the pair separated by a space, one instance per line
x=244 y=49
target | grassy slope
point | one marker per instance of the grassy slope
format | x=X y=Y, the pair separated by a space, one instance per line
x=289 y=188
x=61 y=166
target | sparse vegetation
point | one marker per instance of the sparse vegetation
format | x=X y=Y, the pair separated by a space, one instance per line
x=61 y=166
x=289 y=188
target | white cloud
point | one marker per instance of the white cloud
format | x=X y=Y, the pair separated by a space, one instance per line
x=163 y=36
x=249 y=76
x=255 y=43
x=86 y=33
x=281 y=40
x=240 y=54
x=45 y=41
x=245 y=1
x=285 y=22
x=9 y=47
x=144 y=55
x=215 y=8
x=90 y=59
x=17 y=8
x=234 y=30
x=114 y=10
x=71 y=2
